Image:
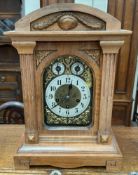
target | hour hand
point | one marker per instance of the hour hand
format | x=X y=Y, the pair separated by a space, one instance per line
x=69 y=88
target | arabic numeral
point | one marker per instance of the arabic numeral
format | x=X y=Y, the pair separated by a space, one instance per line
x=82 y=105
x=76 y=110
x=59 y=110
x=83 y=88
x=58 y=82
x=68 y=80
x=53 y=88
x=53 y=104
x=84 y=96
x=50 y=96
x=67 y=112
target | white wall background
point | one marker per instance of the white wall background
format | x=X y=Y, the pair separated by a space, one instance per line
x=31 y=5
x=100 y=4
x=135 y=90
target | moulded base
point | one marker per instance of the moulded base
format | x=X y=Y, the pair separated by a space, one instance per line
x=69 y=155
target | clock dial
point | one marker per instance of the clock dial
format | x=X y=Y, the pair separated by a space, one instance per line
x=68 y=93
x=67 y=96
x=77 y=68
x=58 y=68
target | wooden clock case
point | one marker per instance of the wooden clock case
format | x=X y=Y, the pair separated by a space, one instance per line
x=95 y=37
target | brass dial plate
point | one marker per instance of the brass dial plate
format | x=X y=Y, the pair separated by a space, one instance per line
x=67 y=97
x=64 y=100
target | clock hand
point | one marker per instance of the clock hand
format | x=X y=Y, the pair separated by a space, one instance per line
x=55 y=106
x=58 y=104
x=69 y=88
x=58 y=68
x=63 y=99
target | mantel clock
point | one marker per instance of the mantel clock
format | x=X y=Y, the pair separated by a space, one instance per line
x=68 y=54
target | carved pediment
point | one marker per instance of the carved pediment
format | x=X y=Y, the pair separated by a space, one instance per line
x=67 y=16
x=68 y=21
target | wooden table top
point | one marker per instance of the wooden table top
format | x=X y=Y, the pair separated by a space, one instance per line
x=9 y=140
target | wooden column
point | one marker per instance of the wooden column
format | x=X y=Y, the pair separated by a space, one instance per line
x=110 y=50
x=25 y=49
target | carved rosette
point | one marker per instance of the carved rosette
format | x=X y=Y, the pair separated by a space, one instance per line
x=67 y=22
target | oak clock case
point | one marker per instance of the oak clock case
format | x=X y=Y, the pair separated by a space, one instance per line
x=68 y=55
x=68 y=92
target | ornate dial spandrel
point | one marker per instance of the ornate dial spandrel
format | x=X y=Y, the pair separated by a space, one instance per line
x=67 y=22
x=68 y=96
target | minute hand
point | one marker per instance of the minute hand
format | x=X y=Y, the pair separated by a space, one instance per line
x=58 y=103
x=55 y=106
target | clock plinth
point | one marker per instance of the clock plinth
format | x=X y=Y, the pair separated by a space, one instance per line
x=68 y=55
x=70 y=154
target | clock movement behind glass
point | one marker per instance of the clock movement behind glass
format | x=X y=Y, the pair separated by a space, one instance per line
x=68 y=55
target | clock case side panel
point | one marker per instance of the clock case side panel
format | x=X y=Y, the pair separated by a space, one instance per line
x=90 y=53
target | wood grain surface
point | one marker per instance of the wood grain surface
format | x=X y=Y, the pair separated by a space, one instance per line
x=10 y=137
x=127 y=12
x=33 y=28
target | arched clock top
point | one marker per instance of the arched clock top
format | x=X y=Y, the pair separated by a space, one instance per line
x=67 y=16
x=68 y=92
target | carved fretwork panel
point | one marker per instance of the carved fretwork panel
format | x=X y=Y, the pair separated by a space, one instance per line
x=41 y=55
x=94 y=54
x=68 y=21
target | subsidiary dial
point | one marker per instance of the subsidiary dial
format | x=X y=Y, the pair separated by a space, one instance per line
x=58 y=68
x=77 y=68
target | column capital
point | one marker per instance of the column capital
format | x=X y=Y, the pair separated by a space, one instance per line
x=24 y=47
x=111 y=46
